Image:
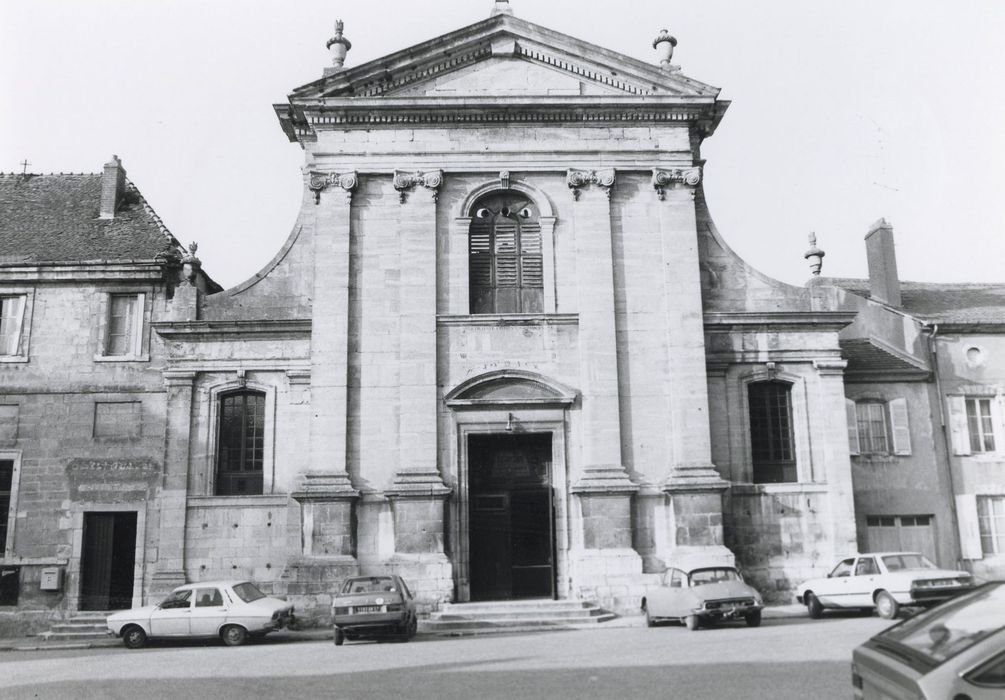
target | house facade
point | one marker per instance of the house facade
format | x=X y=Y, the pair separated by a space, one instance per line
x=504 y=352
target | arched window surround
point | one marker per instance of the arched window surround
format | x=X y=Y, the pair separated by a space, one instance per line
x=460 y=303
x=800 y=429
x=213 y=395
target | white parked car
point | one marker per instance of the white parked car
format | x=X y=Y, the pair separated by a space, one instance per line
x=884 y=581
x=230 y=610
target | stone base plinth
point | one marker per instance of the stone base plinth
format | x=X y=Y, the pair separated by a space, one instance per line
x=417 y=500
x=310 y=583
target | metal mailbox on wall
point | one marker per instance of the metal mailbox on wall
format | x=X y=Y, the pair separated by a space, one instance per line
x=52 y=579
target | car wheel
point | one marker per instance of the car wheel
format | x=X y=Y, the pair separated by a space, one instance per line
x=339 y=637
x=413 y=628
x=753 y=619
x=650 y=621
x=233 y=635
x=886 y=606
x=134 y=637
x=813 y=606
x=692 y=622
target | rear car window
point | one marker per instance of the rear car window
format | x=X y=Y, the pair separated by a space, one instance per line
x=900 y=562
x=248 y=592
x=372 y=584
x=949 y=629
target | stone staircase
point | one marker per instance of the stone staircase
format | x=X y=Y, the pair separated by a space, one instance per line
x=513 y=616
x=82 y=627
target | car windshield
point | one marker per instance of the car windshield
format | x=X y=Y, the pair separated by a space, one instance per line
x=371 y=584
x=953 y=627
x=700 y=577
x=900 y=562
x=248 y=592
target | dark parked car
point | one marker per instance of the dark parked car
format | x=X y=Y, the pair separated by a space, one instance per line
x=954 y=651
x=699 y=593
x=374 y=607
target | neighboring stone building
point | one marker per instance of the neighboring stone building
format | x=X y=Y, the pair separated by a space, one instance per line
x=85 y=267
x=924 y=382
x=503 y=352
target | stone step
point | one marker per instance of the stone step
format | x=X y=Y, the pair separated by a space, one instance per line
x=79 y=627
x=517 y=614
x=52 y=636
x=523 y=604
x=479 y=626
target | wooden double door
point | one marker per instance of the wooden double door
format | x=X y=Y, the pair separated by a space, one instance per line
x=107 y=566
x=511 y=517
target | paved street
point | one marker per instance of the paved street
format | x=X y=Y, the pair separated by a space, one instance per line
x=785 y=658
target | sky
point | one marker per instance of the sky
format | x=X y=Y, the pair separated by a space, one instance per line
x=842 y=112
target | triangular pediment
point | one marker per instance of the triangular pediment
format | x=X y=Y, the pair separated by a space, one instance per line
x=503 y=56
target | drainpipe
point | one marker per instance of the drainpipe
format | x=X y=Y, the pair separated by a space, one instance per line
x=932 y=331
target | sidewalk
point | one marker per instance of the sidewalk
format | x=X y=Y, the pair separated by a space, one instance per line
x=325 y=633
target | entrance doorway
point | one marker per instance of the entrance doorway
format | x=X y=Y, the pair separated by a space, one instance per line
x=511 y=520
x=108 y=561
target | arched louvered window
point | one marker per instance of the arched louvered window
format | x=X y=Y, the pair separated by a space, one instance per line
x=506 y=263
x=241 y=444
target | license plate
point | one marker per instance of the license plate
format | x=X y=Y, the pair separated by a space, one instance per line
x=367 y=609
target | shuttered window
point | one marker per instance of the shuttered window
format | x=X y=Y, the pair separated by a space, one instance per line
x=878 y=428
x=506 y=264
x=241 y=444
x=771 y=432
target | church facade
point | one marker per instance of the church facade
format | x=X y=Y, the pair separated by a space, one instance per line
x=504 y=352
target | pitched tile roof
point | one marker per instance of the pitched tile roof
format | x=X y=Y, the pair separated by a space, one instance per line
x=54 y=218
x=942 y=302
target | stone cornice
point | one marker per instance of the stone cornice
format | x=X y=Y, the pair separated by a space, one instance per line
x=216 y=330
x=779 y=321
x=301 y=122
x=144 y=271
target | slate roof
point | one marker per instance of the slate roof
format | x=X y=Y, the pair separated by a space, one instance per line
x=54 y=219
x=942 y=302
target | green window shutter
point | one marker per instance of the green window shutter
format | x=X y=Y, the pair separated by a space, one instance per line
x=901 y=427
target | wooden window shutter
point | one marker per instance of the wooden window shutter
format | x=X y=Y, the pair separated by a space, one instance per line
x=901 y=427
x=958 y=425
x=997 y=420
x=970 y=532
x=852 y=413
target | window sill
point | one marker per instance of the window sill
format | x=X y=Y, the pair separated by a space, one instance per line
x=13 y=359
x=266 y=501
x=508 y=320
x=795 y=487
x=122 y=358
x=878 y=458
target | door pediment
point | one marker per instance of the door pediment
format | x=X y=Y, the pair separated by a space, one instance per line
x=510 y=388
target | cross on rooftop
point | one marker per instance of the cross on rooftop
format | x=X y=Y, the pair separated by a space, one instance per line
x=24 y=166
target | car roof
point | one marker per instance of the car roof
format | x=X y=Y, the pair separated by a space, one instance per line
x=879 y=554
x=206 y=584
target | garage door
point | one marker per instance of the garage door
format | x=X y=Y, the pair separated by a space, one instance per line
x=892 y=533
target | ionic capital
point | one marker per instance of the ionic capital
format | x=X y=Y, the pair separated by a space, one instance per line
x=578 y=179
x=319 y=182
x=405 y=180
x=664 y=178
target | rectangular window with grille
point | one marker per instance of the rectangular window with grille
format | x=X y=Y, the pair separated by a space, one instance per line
x=771 y=432
x=872 y=428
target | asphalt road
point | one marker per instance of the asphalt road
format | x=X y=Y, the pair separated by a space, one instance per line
x=782 y=659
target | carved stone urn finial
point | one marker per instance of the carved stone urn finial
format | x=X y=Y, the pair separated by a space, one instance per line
x=664 y=45
x=814 y=255
x=190 y=264
x=339 y=46
x=501 y=8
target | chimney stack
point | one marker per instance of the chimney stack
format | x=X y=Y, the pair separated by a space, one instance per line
x=113 y=186
x=884 y=282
